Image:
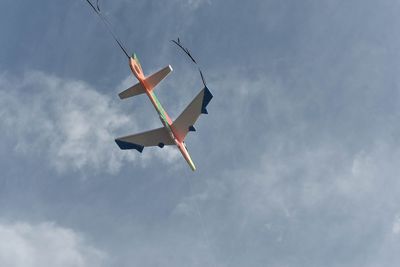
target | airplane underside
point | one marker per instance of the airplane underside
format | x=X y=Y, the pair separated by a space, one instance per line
x=173 y=132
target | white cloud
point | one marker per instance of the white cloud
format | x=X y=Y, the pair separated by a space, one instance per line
x=194 y=4
x=45 y=244
x=396 y=225
x=68 y=120
x=68 y=123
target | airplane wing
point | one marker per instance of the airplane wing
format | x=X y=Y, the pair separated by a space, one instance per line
x=157 y=137
x=184 y=123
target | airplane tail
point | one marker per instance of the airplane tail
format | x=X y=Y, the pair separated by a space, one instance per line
x=151 y=81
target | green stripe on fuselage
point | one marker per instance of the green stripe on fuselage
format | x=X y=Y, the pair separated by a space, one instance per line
x=160 y=109
x=161 y=112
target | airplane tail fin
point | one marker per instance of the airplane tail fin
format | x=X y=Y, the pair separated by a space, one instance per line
x=151 y=81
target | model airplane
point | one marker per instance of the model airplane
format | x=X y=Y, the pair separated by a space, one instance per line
x=172 y=132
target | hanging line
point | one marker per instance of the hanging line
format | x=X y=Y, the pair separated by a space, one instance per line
x=178 y=43
x=108 y=25
x=187 y=52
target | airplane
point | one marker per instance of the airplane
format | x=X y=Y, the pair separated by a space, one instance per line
x=172 y=132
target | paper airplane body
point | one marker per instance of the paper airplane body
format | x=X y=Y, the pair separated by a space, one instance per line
x=172 y=132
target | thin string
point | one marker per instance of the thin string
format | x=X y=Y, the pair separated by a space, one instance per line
x=187 y=52
x=108 y=25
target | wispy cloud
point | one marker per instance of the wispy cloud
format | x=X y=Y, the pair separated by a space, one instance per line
x=396 y=225
x=45 y=244
x=68 y=123
x=193 y=4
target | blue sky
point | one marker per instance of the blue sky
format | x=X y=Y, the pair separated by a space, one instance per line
x=297 y=160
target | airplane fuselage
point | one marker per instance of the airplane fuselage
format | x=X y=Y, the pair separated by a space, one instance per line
x=164 y=118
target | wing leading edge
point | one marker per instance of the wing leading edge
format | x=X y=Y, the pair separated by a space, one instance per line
x=185 y=122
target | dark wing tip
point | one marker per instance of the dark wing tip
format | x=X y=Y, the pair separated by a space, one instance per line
x=206 y=99
x=126 y=145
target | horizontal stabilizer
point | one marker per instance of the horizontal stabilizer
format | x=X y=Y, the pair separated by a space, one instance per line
x=184 y=123
x=137 y=89
x=157 y=77
x=151 y=82
x=157 y=137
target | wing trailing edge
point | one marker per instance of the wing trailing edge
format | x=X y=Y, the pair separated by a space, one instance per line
x=157 y=137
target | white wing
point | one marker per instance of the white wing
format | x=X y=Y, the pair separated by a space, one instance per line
x=185 y=122
x=157 y=137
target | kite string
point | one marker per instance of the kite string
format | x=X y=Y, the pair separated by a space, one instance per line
x=187 y=52
x=108 y=25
